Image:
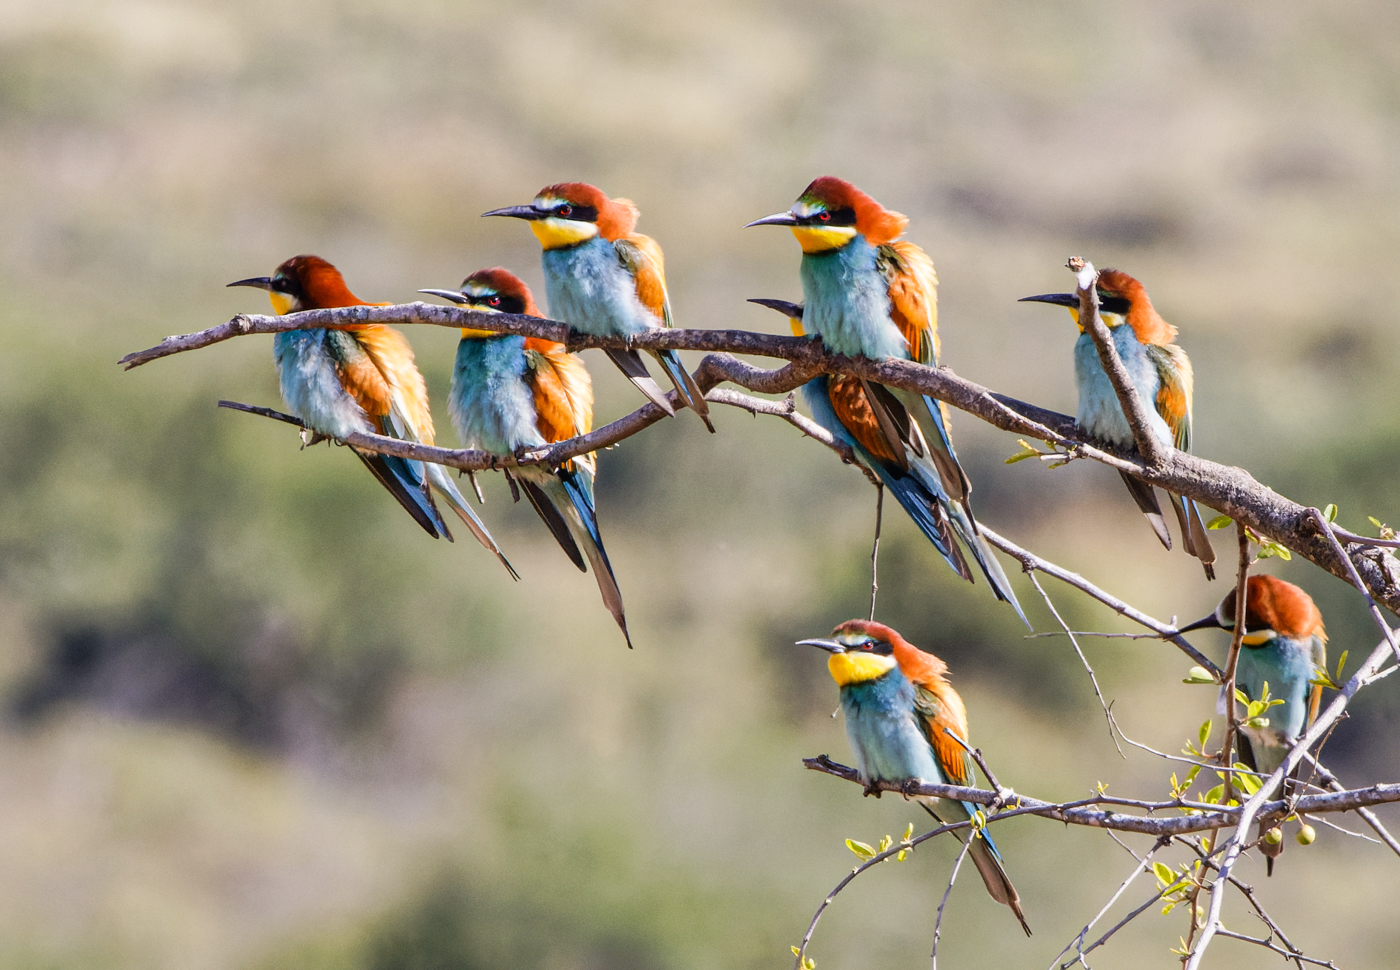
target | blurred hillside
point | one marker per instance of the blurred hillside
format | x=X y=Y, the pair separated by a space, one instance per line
x=256 y=719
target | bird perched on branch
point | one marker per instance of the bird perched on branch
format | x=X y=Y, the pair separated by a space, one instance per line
x=511 y=394
x=602 y=278
x=1161 y=372
x=871 y=294
x=900 y=710
x=361 y=377
x=1283 y=651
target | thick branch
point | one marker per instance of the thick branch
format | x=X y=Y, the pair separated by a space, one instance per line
x=1222 y=487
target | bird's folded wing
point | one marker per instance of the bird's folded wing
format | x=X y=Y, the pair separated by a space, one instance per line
x=641 y=256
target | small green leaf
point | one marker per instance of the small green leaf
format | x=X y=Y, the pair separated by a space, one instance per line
x=1191 y=776
x=1204 y=733
x=1340 y=664
x=1220 y=522
x=886 y=842
x=1026 y=452
x=1214 y=795
x=1198 y=675
x=862 y=850
x=796 y=952
x=1329 y=513
x=908 y=832
x=901 y=855
x=1374 y=521
x=1241 y=696
x=1258 y=723
x=1164 y=874
x=1243 y=780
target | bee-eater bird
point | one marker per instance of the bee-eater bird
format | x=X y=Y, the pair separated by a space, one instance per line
x=869 y=293
x=898 y=706
x=604 y=279
x=1161 y=372
x=361 y=377
x=511 y=394
x=1283 y=651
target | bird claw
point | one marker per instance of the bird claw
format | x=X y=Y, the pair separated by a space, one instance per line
x=908 y=788
x=873 y=788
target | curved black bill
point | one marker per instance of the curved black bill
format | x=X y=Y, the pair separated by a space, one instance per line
x=261 y=282
x=1205 y=623
x=452 y=295
x=776 y=219
x=784 y=307
x=1059 y=299
x=831 y=646
x=518 y=212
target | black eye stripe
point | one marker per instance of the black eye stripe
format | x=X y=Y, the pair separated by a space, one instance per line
x=577 y=213
x=836 y=217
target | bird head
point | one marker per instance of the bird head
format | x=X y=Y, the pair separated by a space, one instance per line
x=571 y=213
x=860 y=650
x=829 y=214
x=494 y=290
x=1273 y=608
x=1122 y=299
x=304 y=283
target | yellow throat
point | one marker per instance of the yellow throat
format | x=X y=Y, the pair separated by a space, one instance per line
x=561 y=233
x=857 y=668
x=822 y=239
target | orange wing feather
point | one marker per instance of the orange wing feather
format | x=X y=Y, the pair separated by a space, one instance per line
x=1174 y=392
x=393 y=357
x=643 y=257
x=913 y=290
x=853 y=410
x=562 y=391
x=941 y=708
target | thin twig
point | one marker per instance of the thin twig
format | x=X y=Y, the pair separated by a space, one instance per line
x=1325 y=527
x=1268 y=944
x=1082 y=659
x=1143 y=863
x=875 y=549
x=1030 y=561
x=952 y=878
x=1335 y=784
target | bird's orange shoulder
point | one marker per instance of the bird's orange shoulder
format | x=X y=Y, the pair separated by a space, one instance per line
x=913 y=292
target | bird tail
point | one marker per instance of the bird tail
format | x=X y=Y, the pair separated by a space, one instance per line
x=1146 y=500
x=404 y=480
x=929 y=415
x=966 y=528
x=1193 y=532
x=689 y=391
x=630 y=363
x=437 y=477
x=993 y=871
x=928 y=511
x=564 y=500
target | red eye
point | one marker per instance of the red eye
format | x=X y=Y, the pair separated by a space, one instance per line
x=494 y=301
x=565 y=210
x=824 y=216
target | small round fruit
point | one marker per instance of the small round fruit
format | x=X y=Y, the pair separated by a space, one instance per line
x=1307 y=835
x=1274 y=836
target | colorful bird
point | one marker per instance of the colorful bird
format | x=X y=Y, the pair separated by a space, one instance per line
x=604 y=279
x=899 y=709
x=512 y=394
x=1283 y=651
x=361 y=377
x=1161 y=372
x=869 y=293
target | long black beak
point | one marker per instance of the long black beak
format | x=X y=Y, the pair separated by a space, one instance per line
x=831 y=646
x=793 y=310
x=518 y=212
x=1205 y=623
x=261 y=282
x=777 y=219
x=1060 y=299
x=452 y=295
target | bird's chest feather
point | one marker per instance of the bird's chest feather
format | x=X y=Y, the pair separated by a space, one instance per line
x=848 y=302
x=590 y=289
x=311 y=370
x=1099 y=411
x=1287 y=667
x=884 y=733
x=491 y=404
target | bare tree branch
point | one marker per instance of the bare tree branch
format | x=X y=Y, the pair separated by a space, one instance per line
x=1225 y=488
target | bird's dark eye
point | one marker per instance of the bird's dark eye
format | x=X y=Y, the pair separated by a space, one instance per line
x=565 y=210
x=824 y=216
x=494 y=301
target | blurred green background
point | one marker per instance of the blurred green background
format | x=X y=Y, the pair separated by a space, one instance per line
x=256 y=719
